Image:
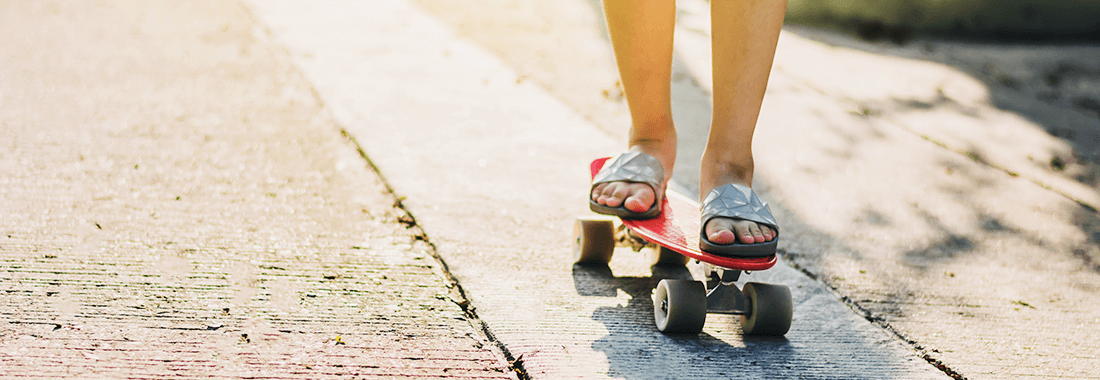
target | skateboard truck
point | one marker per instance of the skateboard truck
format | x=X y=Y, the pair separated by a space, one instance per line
x=723 y=297
x=626 y=237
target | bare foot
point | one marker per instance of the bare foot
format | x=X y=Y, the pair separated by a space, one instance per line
x=716 y=173
x=728 y=231
x=635 y=196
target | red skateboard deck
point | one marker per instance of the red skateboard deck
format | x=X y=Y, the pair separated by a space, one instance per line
x=677 y=228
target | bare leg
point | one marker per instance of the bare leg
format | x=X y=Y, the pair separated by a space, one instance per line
x=744 y=36
x=641 y=34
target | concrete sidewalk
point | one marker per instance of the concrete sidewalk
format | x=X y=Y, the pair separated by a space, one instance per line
x=946 y=190
x=490 y=164
x=175 y=203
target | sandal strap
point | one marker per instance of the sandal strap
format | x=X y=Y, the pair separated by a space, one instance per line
x=633 y=166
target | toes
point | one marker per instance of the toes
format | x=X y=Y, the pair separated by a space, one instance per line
x=744 y=232
x=608 y=194
x=618 y=195
x=769 y=234
x=641 y=198
x=597 y=191
x=722 y=237
x=636 y=197
x=720 y=231
x=757 y=235
x=728 y=231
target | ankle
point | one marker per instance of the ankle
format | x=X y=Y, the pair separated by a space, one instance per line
x=664 y=150
x=713 y=174
x=655 y=147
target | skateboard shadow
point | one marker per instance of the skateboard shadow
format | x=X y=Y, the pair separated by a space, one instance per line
x=597 y=280
x=635 y=349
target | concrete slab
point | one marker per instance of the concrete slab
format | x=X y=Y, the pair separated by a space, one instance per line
x=965 y=249
x=175 y=203
x=928 y=204
x=490 y=166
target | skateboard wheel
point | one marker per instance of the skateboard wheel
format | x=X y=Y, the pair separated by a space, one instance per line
x=680 y=306
x=593 y=240
x=668 y=258
x=771 y=308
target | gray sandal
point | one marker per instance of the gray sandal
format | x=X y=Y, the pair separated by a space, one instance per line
x=737 y=202
x=630 y=167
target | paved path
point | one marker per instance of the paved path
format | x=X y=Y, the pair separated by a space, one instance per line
x=946 y=189
x=490 y=165
x=175 y=203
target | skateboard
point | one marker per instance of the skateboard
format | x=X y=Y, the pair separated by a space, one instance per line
x=681 y=306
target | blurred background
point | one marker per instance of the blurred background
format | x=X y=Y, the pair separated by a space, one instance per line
x=1061 y=20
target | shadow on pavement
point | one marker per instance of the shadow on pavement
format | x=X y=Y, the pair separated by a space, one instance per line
x=1054 y=86
x=636 y=350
